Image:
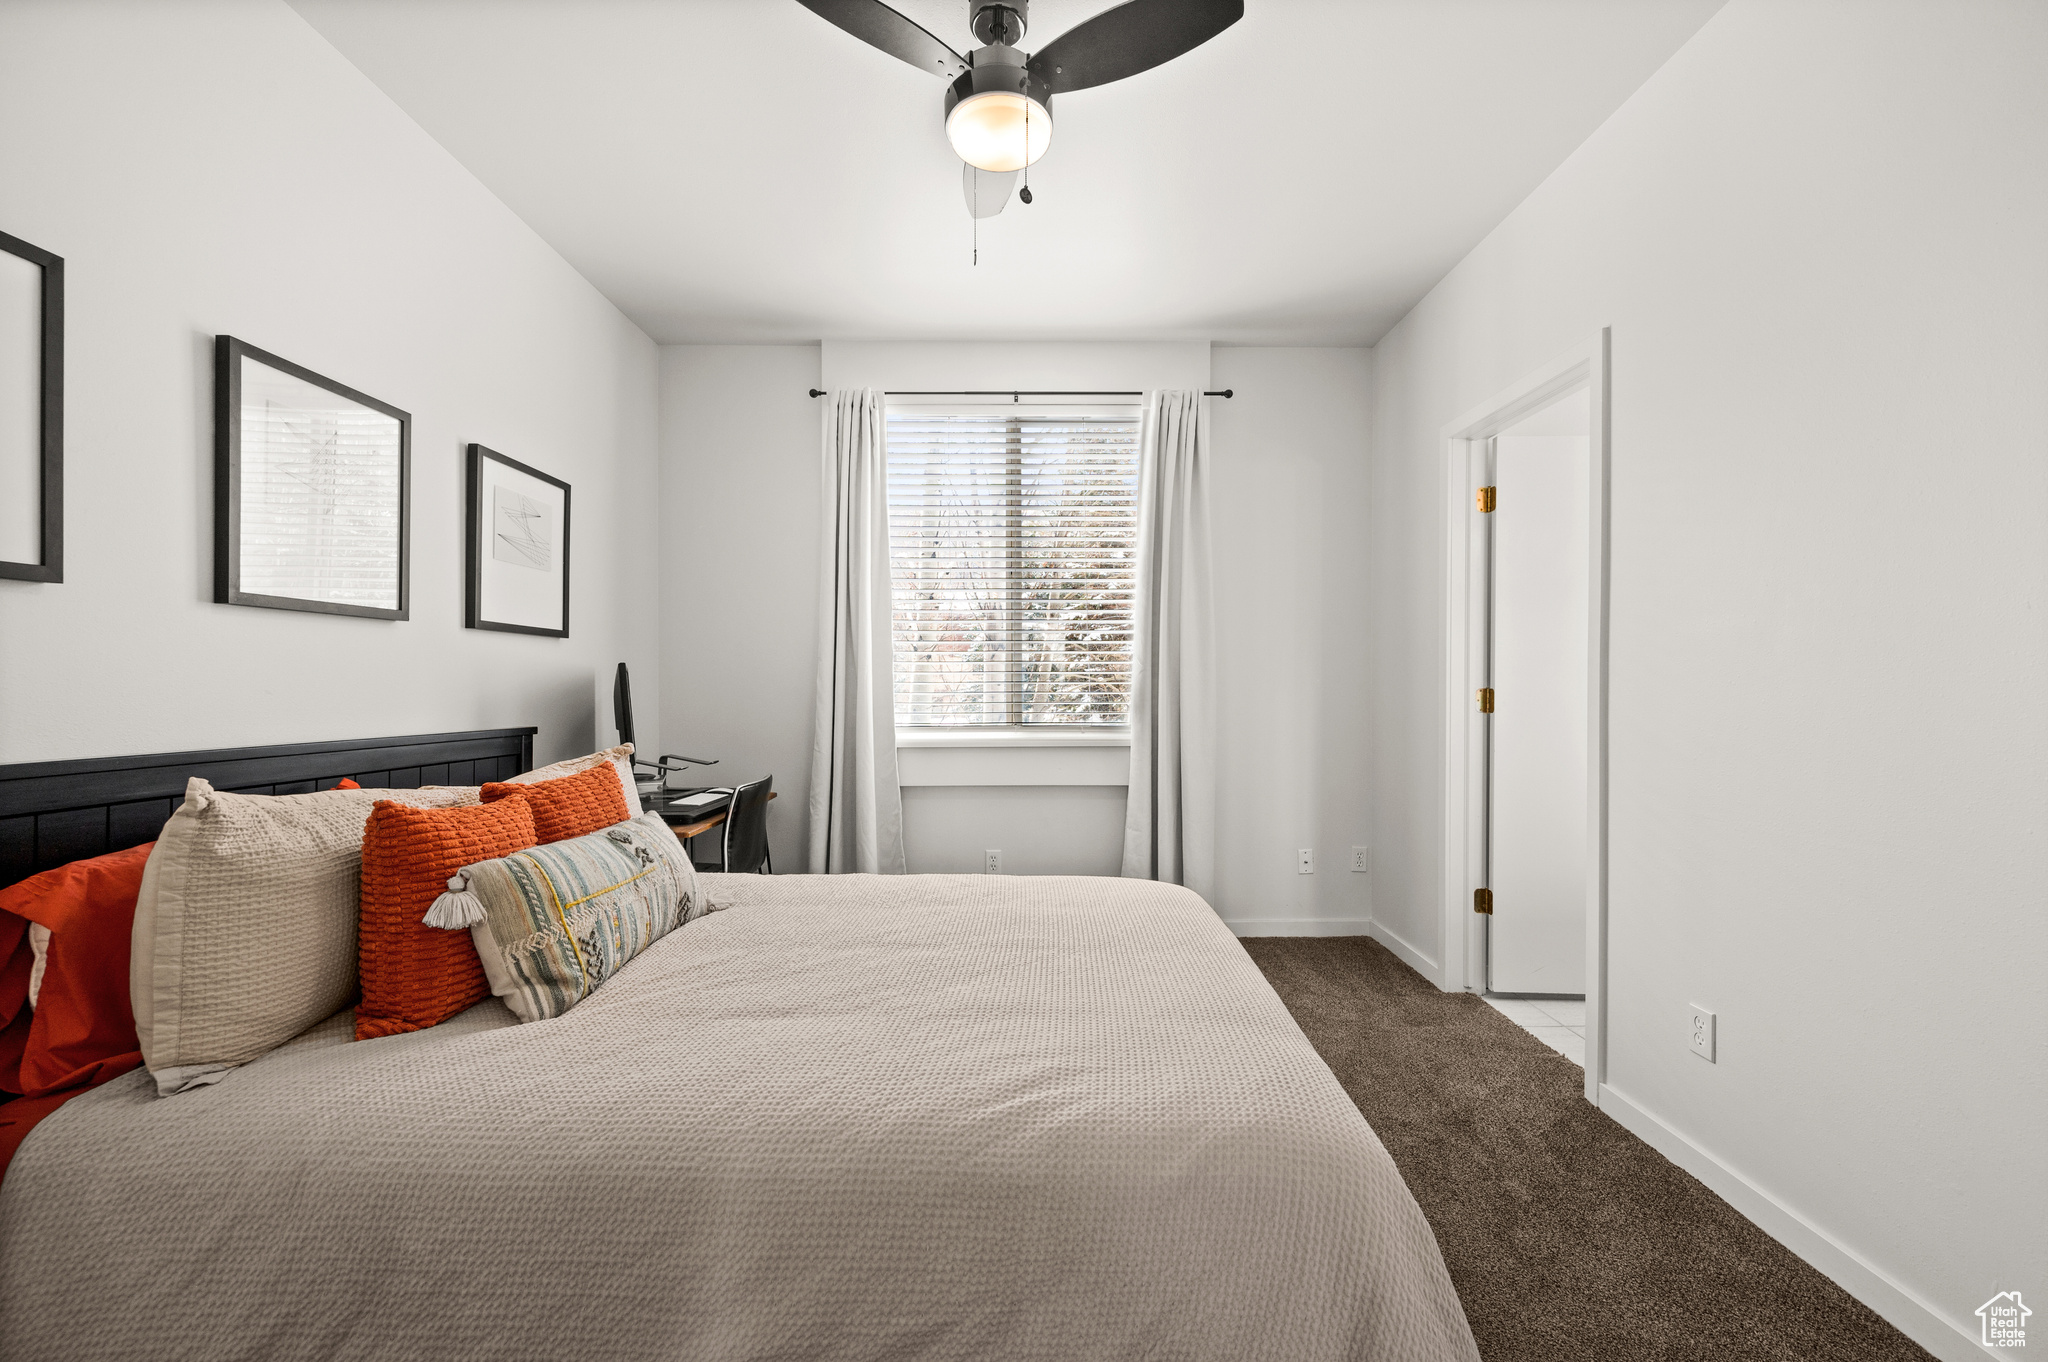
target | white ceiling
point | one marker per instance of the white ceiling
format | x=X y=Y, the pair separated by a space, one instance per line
x=740 y=170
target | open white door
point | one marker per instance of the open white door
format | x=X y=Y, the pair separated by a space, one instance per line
x=1536 y=824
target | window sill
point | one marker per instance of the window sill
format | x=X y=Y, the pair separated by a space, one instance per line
x=1013 y=737
x=1009 y=757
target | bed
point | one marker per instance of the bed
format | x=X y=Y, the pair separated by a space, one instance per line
x=837 y=1117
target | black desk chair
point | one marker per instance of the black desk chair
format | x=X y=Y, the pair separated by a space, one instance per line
x=743 y=850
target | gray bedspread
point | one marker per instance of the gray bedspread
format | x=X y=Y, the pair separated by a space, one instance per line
x=854 y=1117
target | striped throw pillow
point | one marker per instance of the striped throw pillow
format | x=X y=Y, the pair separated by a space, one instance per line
x=553 y=922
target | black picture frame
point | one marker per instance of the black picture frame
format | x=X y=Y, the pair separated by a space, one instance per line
x=473 y=565
x=228 y=356
x=49 y=566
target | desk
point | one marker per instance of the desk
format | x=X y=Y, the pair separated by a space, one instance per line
x=686 y=831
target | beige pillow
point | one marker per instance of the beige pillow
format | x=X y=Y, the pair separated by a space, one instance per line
x=621 y=758
x=245 y=928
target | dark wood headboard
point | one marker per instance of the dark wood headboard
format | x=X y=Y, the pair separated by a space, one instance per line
x=57 y=811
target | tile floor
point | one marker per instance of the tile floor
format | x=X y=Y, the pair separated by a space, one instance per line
x=1559 y=1023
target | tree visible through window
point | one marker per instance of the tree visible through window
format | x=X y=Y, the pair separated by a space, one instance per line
x=1012 y=544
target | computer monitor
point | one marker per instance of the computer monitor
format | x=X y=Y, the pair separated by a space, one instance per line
x=622 y=705
x=651 y=776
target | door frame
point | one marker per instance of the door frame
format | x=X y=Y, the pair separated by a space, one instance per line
x=1585 y=365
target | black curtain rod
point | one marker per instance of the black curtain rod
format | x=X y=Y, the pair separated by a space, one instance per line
x=1023 y=392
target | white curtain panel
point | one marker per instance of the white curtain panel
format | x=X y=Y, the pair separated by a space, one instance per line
x=1170 y=822
x=856 y=803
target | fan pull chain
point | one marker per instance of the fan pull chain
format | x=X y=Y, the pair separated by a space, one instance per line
x=1025 y=197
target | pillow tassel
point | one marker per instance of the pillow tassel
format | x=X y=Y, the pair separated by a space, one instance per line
x=456 y=910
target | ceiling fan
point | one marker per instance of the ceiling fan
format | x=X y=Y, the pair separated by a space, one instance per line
x=999 y=99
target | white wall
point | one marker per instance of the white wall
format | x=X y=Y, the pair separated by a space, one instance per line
x=1041 y=829
x=1291 y=617
x=740 y=488
x=215 y=168
x=739 y=571
x=1817 y=234
x=1057 y=366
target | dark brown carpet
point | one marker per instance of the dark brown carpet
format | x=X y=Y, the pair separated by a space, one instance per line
x=1567 y=1236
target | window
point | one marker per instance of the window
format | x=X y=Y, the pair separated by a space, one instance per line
x=1012 y=544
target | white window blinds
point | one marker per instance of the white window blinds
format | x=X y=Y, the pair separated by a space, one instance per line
x=1012 y=544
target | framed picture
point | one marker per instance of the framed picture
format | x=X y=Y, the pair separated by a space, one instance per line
x=518 y=578
x=312 y=490
x=31 y=412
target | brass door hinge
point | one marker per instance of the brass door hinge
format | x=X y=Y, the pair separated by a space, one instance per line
x=1486 y=699
x=1486 y=500
x=1482 y=901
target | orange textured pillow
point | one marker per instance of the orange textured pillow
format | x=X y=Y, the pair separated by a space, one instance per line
x=347 y=783
x=413 y=976
x=571 y=806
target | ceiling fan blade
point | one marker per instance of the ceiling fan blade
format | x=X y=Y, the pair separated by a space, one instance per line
x=986 y=191
x=1135 y=36
x=876 y=24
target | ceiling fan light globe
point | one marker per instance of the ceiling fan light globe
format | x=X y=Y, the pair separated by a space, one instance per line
x=991 y=131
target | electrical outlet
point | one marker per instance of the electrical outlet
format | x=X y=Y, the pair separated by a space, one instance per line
x=991 y=862
x=1305 y=860
x=1358 y=860
x=1702 y=1041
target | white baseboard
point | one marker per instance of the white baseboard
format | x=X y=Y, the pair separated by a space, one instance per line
x=1297 y=926
x=1904 y=1310
x=1411 y=957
